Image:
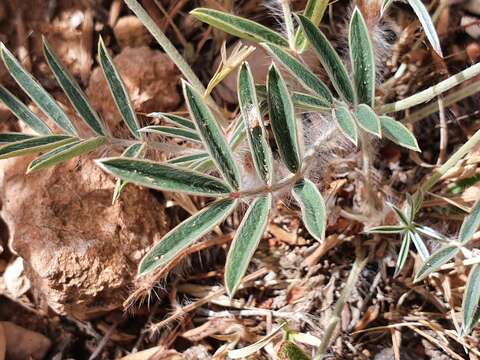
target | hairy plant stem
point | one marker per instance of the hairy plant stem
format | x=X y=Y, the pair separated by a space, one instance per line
x=358 y=265
x=289 y=180
x=367 y=151
x=431 y=92
x=166 y=45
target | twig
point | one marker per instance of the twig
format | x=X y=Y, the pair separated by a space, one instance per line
x=104 y=341
x=431 y=92
x=357 y=268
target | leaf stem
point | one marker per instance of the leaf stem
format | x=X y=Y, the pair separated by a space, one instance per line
x=166 y=45
x=433 y=91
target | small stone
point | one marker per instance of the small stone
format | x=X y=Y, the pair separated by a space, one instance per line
x=23 y=344
x=130 y=32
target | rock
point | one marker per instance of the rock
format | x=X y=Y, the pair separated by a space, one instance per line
x=130 y=32
x=80 y=251
x=21 y=344
x=16 y=282
x=150 y=78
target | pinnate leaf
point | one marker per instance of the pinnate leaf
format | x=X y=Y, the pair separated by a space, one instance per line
x=10 y=137
x=403 y=253
x=471 y=300
x=74 y=93
x=118 y=90
x=238 y=26
x=470 y=224
x=427 y=24
x=363 y=59
x=36 y=92
x=212 y=136
x=314 y=212
x=398 y=133
x=65 y=152
x=22 y=112
x=246 y=241
x=184 y=234
x=282 y=119
x=164 y=176
x=368 y=120
x=346 y=123
x=171 y=131
x=304 y=75
x=34 y=145
x=174 y=119
x=437 y=259
x=253 y=120
x=330 y=60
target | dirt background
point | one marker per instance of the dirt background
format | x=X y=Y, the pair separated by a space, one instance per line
x=68 y=256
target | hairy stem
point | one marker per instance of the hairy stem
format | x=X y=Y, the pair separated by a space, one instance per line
x=358 y=265
x=431 y=92
x=166 y=45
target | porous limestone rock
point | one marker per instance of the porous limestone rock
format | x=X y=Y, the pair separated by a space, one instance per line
x=80 y=251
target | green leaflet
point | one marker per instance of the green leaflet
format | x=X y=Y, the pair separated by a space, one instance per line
x=387 y=229
x=398 y=133
x=246 y=241
x=184 y=234
x=65 y=152
x=164 y=177
x=368 y=120
x=238 y=26
x=404 y=219
x=300 y=72
x=314 y=11
x=363 y=59
x=470 y=224
x=187 y=159
x=34 y=145
x=420 y=245
x=314 y=212
x=330 y=60
x=133 y=151
x=282 y=120
x=346 y=123
x=118 y=90
x=427 y=24
x=174 y=119
x=253 y=120
x=436 y=260
x=185 y=134
x=36 y=92
x=307 y=102
x=74 y=93
x=471 y=300
x=403 y=253
x=290 y=351
x=212 y=136
x=23 y=112
x=10 y=137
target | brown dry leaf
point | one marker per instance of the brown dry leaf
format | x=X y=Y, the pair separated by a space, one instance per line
x=370 y=315
x=330 y=242
x=289 y=238
x=210 y=328
x=157 y=352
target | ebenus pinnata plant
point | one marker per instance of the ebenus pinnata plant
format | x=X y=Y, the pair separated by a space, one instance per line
x=210 y=168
